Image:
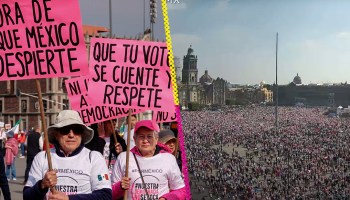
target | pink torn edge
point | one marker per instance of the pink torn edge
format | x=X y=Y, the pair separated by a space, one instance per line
x=183 y=152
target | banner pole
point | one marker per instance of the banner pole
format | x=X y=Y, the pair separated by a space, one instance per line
x=127 y=152
x=43 y=121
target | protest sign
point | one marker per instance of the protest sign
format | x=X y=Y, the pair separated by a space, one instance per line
x=77 y=92
x=80 y=101
x=161 y=117
x=2 y=124
x=130 y=74
x=38 y=41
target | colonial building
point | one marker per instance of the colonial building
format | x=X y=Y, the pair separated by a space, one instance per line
x=26 y=107
x=296 y=93
x=206 y=91
x=244 y=95
x=264 y=94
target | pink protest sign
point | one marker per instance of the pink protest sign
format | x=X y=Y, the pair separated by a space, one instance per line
x=41 y=39
x=94 y=114
x=79 y=101
x=77 y=92
x=130 y=74
x=160 y=116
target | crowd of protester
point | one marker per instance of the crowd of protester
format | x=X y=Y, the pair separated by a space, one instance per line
x=239 y=154
x=95 y=158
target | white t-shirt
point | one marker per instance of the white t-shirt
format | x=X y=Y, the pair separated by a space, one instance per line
x=79 y=174
x=160 y=172
x=132 y=141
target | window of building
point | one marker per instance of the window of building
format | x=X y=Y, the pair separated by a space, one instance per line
x=24 y=124
x=36 y=105
x=24 y=106
x=45 y=105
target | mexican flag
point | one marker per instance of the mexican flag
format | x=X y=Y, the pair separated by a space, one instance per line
x=15 y=128
x=122 y=129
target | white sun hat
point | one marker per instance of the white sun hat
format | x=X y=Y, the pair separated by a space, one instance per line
x=66 y=118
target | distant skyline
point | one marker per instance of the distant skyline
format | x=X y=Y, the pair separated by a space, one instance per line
x=235 y=39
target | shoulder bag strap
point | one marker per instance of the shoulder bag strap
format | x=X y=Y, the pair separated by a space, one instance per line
x=143 y=181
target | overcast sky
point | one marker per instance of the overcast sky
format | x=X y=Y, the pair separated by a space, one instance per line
x=236 y=39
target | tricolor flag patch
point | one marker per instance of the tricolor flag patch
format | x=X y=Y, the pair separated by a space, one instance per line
x=102 y=177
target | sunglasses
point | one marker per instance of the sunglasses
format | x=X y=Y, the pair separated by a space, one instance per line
x=77 y=129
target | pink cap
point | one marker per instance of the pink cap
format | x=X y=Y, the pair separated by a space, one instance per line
x=148 y=124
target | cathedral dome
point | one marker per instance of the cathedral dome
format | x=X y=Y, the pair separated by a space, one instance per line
x=262 y=83
x=205 y=78
x=297 y=79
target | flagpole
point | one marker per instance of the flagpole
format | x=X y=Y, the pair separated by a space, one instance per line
x=144 y=17
x=110 y=18
x=276 y=109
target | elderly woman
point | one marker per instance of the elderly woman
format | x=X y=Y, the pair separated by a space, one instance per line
x=153 y=171
x=78 y=172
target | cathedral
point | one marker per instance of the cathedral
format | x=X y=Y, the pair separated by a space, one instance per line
x=206 y=91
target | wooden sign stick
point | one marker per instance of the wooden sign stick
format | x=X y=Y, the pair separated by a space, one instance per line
x=43 y=121
x=127 y=152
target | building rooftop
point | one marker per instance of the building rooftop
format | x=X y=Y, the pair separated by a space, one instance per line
x=94 y=30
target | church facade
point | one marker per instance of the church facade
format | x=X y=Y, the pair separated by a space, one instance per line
x=206 y=90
